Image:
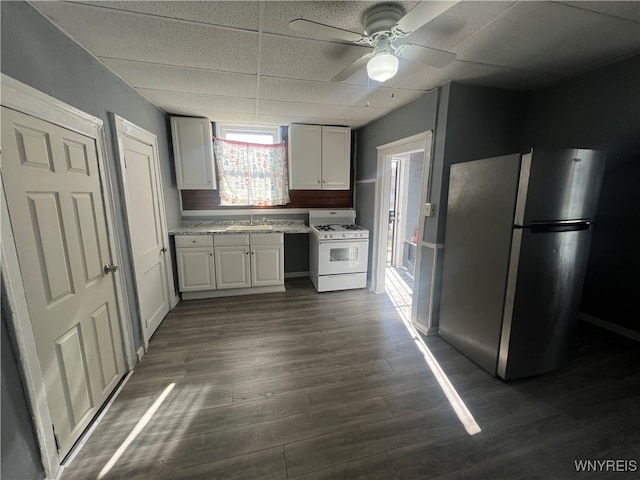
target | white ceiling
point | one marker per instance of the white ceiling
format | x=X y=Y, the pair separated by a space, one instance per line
x=238 y=61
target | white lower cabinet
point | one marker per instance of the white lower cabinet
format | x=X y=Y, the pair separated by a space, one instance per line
x=267 y=260
x=222 y=265
x=196 y=270
x=233 y=269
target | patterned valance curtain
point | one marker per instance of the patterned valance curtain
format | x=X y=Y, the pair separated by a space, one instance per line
x=251 y=173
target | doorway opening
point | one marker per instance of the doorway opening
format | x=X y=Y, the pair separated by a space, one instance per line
x=405 y=185
x=402 y=196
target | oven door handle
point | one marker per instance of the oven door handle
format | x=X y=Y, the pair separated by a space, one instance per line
x=343 y=240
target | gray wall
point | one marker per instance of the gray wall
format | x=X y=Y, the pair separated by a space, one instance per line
x=601 y=110
x=416 y=117
x=19 y=450
x=473 y=122
x=36 y=53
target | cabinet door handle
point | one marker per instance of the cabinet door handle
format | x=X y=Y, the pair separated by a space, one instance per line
x=319 y=181
x=163 y=249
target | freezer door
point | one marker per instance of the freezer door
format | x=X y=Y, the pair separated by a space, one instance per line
x=559 y=184
x=544 y=287
x=479 y=223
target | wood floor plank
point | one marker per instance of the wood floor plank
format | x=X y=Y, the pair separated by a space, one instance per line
x=331 y=386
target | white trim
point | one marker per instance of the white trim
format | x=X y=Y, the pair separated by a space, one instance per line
x=429 y=328
x=368 y=180
x=20 y=326
x=295 y=274
x=246 y=211
x=23 y=98
x=124 y=127
x=433 y=245
x=140 y=353
x=610 y=326
x=175 y=300
x=415 y=143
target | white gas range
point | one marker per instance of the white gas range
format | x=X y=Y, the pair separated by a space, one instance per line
x=338 y=250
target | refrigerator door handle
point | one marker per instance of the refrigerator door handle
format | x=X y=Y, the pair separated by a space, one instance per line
x=557 y=227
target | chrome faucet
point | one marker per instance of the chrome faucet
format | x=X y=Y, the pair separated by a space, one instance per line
x=264 y=220
x=250 y=219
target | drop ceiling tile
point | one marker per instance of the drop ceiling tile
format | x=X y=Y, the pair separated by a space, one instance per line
x=289 y=119
x=116 y=34
x=182 y=79
x=170 y=101
x=551 y=37
x=304 y=59
x=629 y=10
x=456 y=24
x=273 y=107
x=239 y=14
x=306 y=91
x=479 y=74
x=346 y=15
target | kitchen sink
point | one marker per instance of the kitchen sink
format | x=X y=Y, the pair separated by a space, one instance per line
x=249 y=228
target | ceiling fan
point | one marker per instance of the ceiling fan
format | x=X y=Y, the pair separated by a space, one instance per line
x=383 y=24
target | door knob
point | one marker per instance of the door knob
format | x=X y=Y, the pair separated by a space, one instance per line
x=110 y=268
x=163 y=249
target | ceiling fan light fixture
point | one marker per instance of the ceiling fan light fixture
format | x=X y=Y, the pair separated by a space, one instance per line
x=382 y=66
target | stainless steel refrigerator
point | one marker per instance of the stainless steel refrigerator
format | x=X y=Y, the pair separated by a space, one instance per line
x=518 y=230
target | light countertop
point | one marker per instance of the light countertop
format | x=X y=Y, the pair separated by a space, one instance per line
x=220 y=227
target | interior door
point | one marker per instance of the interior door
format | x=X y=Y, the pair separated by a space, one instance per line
x=55 y=203
x=147 y=231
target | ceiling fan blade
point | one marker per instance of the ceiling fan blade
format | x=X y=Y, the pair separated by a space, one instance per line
x=428 y=56
x=422 y=13
x=351 y=69
x=302 y=25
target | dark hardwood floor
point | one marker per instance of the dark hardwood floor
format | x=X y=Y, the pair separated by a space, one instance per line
x=332 y=386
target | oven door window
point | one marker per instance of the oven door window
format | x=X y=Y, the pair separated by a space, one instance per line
x=342 y=254
x=342 y=257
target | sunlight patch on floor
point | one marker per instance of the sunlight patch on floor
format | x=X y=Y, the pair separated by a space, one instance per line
x=135 y=432
x=400 y=294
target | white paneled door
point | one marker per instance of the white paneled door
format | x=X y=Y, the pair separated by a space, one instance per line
x=147 y=229
x=57 y=213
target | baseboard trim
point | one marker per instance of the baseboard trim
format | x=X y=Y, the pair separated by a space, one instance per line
x=140 y=353
x=174 y=301
x=232 y=292
x=610 y=326
x=295 y=274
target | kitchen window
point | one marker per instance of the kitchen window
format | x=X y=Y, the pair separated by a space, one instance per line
x=248 y=134
x=252 y=169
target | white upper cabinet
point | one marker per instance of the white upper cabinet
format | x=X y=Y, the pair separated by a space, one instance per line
x=305 y=157
x=319 y=157
x=193 y=153
x=336 y=158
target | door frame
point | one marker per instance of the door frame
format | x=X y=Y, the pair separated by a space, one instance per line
x=122 y=128
x=25 y=99
x=402 y=196
x=419 y=142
